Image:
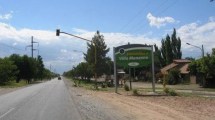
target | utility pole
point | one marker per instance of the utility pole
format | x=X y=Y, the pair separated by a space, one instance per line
x=32 y=46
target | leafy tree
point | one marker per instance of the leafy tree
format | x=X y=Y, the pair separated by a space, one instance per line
x=84 y=70
x=173 y=77
x=170 y=49
x=29 y=68
x=159 y=61
x=98 y=45
x=204 y=68
x=176 y=45
x=40 y=68
x=18 y=61
x=7 y=70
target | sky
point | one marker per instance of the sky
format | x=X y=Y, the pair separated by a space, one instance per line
x=119 y=21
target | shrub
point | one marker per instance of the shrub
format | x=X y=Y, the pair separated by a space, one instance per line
x=135 y=92
x=126 y=87
x=103 y=85
x=172 y=93
x=173 y=77
x=166 y=90
x=76 y=83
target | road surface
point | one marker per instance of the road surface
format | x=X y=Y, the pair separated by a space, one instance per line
x=45 y=101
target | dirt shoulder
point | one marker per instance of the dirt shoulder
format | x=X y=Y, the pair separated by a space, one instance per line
x=7 y=90
x=125 y=106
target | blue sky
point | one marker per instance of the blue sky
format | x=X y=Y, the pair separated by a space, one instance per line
x=120 y=21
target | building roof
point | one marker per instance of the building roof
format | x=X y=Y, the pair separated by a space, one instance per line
x=181 y=61
x=181 y=64
x=184 y=69
x=166 y=68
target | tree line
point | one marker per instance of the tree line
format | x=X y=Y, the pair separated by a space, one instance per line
x=17 y=68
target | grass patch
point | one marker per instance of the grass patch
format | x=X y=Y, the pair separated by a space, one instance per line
x=13 y=84
x=170 y=92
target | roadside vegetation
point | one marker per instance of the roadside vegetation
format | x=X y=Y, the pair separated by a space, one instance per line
x=17 y=70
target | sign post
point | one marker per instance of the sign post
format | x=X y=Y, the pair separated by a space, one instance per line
x=133 y=56
x=115 y=74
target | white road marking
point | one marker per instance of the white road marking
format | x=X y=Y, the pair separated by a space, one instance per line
x=7 y=112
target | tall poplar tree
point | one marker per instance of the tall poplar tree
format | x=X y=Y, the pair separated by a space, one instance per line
x=170 y=49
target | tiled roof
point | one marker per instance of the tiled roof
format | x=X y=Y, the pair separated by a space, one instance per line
x=181 y=64
x=164 y=69
x=182 y=61
x=184 y=69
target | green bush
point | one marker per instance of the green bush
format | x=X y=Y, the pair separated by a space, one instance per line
x=135 y=92
x=172 y=93
x=76 y=83
x=166 y=90
x=173 y=77
x=126 y=87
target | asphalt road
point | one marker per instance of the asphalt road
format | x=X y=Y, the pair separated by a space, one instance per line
x=45 y=101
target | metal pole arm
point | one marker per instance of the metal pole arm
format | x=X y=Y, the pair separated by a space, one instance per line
x=76 y=36
x=194 y=46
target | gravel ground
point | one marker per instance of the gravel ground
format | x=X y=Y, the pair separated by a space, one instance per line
x=94 y=108
x=100 y=105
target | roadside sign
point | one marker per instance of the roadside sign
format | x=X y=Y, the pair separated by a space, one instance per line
x=133 y=55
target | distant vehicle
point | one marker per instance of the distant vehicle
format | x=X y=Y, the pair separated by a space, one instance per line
x=59 y=78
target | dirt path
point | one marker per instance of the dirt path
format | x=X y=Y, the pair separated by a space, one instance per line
x=110 y=106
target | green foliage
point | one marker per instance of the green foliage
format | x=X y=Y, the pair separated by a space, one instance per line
x=7 y=71
x=99 y=49
x=135 y=92
x=204 y=67
x=170 y=92
x=18 y=67
x=173 y=77
x=126 y=87
x=40 y=68
x=76 y=83
x=170 y=49
x=166 y=90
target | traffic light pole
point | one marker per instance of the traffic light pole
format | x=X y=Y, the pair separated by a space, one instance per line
x=95 y=52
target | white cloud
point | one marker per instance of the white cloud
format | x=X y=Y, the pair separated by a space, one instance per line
x=59 y=51
x=63 y=50
x=24 y=35
x=198 y=35
x=159 y=21
x=6 y=16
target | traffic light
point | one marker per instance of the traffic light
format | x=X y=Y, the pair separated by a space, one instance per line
x=58 y=32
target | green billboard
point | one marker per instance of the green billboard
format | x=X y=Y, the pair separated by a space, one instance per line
x=133 y=55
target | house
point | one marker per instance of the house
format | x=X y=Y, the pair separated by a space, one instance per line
x=182 y=66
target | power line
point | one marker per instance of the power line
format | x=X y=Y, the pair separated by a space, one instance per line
x=135 y=16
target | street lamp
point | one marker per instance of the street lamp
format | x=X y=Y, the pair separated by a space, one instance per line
x=202 y=49
x=95 y=73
